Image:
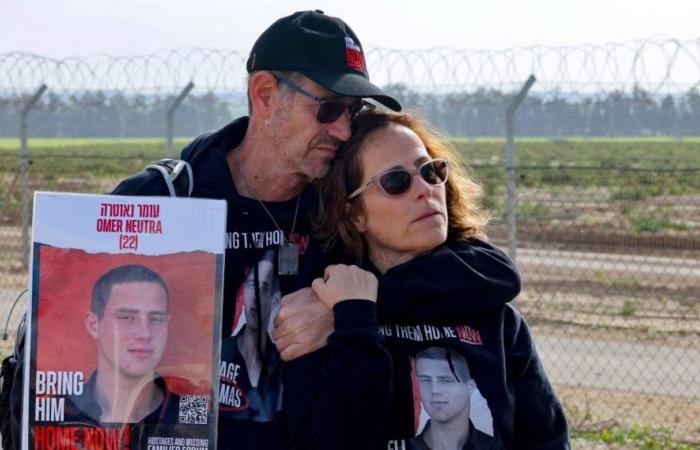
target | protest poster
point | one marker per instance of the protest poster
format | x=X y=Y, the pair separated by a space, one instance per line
x=124 y=330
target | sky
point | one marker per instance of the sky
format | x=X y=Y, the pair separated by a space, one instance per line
x=61 y=28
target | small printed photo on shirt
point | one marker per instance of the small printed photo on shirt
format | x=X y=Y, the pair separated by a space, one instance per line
x=449 y=408
x=250 y=385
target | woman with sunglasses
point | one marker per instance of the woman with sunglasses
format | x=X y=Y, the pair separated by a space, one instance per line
x=398 y=203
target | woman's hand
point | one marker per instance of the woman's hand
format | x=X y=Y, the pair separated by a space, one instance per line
x=341 y=282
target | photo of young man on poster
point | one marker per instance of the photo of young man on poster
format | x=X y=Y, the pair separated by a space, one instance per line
x=128 y=318
x=123 y=351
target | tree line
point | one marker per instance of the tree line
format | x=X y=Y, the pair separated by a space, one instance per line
x=478 y=113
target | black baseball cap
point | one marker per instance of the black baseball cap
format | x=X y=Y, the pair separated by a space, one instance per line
x=323 y=48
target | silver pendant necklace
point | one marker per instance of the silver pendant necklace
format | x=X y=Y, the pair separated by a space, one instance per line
x=288 y=252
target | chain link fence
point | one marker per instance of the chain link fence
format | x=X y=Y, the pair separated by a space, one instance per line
x=611 y=274
x=607 y=173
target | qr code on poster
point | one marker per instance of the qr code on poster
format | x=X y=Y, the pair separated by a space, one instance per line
x=193 y=409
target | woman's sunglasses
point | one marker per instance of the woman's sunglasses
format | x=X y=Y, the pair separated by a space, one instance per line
x=329 y=109
x=398 y=181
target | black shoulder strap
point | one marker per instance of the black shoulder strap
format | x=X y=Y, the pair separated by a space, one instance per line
x=11 y=382
x=171 y=169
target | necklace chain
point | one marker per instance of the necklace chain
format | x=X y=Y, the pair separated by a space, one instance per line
x=255 y=194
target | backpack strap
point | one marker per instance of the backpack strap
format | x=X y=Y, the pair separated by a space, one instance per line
x=171 y=169
x=19 y=341
x=11 y=382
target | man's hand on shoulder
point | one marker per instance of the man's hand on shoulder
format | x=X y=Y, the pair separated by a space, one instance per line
x=302 y=325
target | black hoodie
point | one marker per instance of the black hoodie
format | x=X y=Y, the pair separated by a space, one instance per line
x=448 y=311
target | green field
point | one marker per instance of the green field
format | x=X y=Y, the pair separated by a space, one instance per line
x=629 y=168
x=645 y=153
x=648 y=153
x=90 y=158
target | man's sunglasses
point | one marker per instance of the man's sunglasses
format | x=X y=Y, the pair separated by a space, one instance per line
x=329 y=109
x=398 y=181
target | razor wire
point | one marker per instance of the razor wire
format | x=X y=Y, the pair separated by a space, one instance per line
x=657 y=66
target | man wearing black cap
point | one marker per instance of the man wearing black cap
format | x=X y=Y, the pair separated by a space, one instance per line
x=307 y=78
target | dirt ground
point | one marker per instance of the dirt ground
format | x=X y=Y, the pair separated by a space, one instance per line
x=591 y=410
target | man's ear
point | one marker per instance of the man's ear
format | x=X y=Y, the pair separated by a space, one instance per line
x=357 y=219
x=263 y=87
x=92 y=324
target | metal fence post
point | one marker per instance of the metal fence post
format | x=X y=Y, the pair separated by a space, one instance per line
x=170 y=116
x=24 y=170
x=510 y=166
